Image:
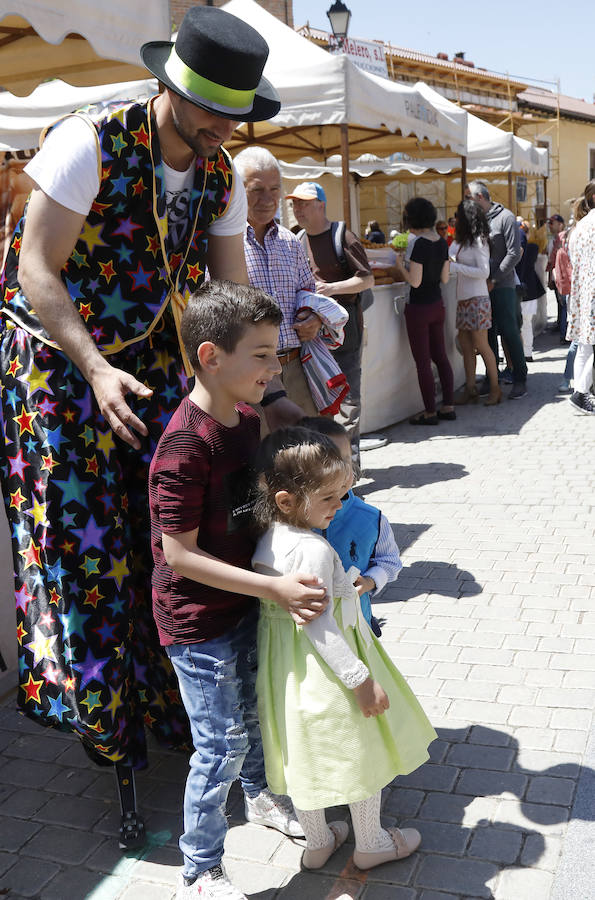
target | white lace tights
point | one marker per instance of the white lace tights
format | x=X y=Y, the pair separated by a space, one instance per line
x=365 y=818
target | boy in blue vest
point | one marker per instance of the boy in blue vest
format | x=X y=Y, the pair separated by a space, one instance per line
x=360 y=533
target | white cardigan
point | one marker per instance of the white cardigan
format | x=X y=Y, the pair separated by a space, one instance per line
x=471 y=265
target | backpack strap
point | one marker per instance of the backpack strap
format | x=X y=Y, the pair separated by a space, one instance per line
x=338 y=237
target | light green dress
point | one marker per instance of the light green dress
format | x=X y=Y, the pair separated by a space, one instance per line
x=319 y=748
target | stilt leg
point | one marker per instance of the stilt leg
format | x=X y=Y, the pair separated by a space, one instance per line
x=132 y=827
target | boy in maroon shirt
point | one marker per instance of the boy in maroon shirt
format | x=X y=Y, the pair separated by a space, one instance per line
x=203 y=589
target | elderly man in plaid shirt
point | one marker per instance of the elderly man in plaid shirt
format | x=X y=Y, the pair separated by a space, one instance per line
x=277 y=264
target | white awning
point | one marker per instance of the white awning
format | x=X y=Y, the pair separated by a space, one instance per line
x=83 y=42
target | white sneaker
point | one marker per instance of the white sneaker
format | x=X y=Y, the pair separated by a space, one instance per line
x=273 y=811
x=372 y=442
x=210 y=885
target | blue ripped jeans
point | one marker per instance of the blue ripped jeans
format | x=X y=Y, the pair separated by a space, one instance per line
x=217 y=681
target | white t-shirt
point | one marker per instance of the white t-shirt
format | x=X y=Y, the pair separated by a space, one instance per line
x=66 y=170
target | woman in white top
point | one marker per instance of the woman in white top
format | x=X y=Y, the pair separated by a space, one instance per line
x=470 y=261
x=581 y=300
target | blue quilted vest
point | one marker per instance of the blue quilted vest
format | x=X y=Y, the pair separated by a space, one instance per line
x=353 y=533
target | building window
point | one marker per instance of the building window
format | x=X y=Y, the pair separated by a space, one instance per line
x=521 y=189
x=591 y=163
x=539 y=192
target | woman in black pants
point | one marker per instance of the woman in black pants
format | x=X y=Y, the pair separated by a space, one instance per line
x=425 y=313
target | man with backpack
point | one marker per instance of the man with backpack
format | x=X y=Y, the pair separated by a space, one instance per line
x=341 y=270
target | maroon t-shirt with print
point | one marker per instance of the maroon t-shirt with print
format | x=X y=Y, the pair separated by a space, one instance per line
x=200 y=478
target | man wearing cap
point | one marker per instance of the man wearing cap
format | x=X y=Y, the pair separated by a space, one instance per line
x=277 y=263
x=127 y=212
x=343 y=279
x=505 y=253
x=556 y=227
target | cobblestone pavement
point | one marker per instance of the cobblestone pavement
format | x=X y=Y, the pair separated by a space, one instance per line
x=492 y=621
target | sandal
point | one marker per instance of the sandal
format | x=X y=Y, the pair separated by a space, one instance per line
x=424 y=420
x=315 y=859
x=448 y=414
x=467 y=395
x=405 y=842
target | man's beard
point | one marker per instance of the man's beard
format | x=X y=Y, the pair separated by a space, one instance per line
x=194 y=140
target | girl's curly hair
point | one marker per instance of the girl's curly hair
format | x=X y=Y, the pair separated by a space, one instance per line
x=296 y=460
x=471 y=223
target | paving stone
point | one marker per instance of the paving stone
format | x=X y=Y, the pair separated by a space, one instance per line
x=551 y=790
x=7 y=860
x=535 y=738
x=479 y=734
x=523 y=884
x=142 y=890
x=64 y=845
x=480 y=757
x=466 y=876
x=468 y=690
x=28 y=773
x=478 y=711
x=253 y=842
x=542 y=851
x=21 y=803
x=546 y=762
x=532 y=816
x=403 y=802
x=72 y=781
x=483 y=782
x=430 y=777
x=388 y=892
x=72 y=812
x=496 y=844
x=579 y=719
x=437 y=895
x=15 y=833
x=457 y=808
x=88 y=885
x=29 y=880
x=441 y=837
x=161 y=865
x=310 y=885
x=28 y=746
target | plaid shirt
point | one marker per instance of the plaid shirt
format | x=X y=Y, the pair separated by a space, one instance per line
x=280 y=268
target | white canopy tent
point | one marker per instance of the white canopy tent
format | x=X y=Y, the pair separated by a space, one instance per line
x=23 y=118
x=489 y=151
x=83 y=42
x=330 y=106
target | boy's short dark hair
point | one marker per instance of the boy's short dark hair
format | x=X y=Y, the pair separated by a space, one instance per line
x=220 y=312
x=324 y=425
x=420 y=213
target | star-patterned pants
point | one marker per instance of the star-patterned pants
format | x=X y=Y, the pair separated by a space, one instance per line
x=77 y=504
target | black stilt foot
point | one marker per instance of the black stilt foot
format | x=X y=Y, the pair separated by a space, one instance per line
x=132 y=831
x=132 y=827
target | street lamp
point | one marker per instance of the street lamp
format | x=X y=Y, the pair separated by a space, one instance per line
x=339 y=16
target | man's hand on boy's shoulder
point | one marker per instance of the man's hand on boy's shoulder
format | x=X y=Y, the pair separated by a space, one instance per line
x=302 y=596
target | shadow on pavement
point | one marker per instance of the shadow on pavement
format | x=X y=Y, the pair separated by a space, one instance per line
x=417 y=475
x=481 y=814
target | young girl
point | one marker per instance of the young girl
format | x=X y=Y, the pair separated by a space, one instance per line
x=470 y=262
x=338 y=721
x=359 y=532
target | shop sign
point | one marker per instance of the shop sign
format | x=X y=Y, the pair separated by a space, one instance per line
x=367 y=55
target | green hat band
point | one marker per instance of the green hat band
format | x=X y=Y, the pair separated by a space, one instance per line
x=218 y=97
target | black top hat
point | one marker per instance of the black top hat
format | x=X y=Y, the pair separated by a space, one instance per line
x=216 y=63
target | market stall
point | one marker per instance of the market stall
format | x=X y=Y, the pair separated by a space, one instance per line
x=390 y=389
x=82 y=42
x=329 y=106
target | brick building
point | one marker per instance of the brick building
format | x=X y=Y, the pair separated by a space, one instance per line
x=282 y=9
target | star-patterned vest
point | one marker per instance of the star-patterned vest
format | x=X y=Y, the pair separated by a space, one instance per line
x=119 y=275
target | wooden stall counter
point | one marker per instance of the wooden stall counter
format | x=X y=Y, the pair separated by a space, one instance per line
x=390 y=390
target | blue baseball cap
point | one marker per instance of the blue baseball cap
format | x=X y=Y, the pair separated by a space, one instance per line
x=308 y=190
